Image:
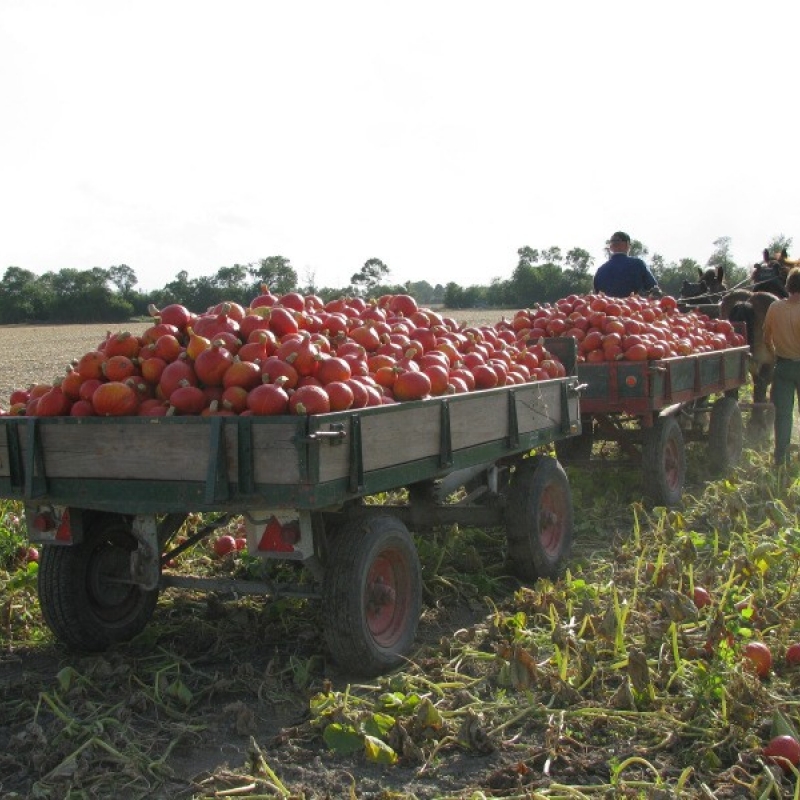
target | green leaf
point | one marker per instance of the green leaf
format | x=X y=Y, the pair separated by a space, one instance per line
x=378 y=752
x=428 y=715
x=344 y=739
x=782 y=726
x=322 y=702
x=66 y=677
x=410 y=703
x=379 y=724
x=391 y=700
x=180 y=692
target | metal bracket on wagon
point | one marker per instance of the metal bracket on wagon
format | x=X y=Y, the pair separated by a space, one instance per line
x=145 y=559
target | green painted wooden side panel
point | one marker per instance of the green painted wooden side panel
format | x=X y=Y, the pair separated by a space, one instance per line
x=157 y=465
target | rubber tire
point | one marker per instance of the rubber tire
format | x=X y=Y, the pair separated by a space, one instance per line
x=371 y=551
x=81 y=610
x=725 y=435
x=539 y=519
x=664 y=462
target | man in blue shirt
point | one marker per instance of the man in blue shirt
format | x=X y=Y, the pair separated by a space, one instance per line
x=623 y=275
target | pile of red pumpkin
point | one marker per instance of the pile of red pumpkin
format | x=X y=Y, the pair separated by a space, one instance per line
x=632 y=328
x=291 y=354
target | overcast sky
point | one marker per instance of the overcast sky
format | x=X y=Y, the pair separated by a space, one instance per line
x=438 y=136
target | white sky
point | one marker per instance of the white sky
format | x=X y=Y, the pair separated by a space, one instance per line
x=438 y=136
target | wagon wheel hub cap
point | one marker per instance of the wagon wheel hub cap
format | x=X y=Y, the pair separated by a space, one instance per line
x=380 y=594
x=548 y=518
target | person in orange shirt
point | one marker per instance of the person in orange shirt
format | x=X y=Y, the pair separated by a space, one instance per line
x=782 y=337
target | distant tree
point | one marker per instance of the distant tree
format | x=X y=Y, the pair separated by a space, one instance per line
x=124 y=278
x=233 y=284
x=528 y=257
x=579 y=262
x=498 y=294
x=721 y=257
x=453 y=295
x=524 y=284
x=666 y=274
x=233 y=278
x=310 y=280
x=779 y=242
x=365 y=281
x=204 y=293
x=276 y=272
x=22 y=297
x=177 y=290
x=83 y=296
x=422 y=292
x=552 y=255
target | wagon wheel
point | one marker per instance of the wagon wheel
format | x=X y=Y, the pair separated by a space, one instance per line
x=372 y=594
x=664 y=462
x=539 y=519
x=725 y=434
x=85 y=598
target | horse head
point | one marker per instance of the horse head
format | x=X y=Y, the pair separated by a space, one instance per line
x=710 y=285
x=770 y=275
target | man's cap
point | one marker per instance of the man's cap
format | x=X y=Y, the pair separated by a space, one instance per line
x=620 y=236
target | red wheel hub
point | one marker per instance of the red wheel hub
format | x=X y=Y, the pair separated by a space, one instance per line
x=386 y=597
x=552 y=513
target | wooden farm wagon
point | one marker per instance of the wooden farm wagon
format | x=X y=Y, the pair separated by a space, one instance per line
x=106 y=498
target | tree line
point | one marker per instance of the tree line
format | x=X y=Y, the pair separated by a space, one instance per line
x=540 y=276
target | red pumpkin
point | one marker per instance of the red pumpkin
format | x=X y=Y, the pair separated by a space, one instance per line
x=212 y=364
x=243 y=374
x=115 y=399
x=274 y=368
x=234 y=398
x=403 y=304
x=187 y=400
x=309 y=399
x=412 y=386
x=118 y=368
x=267 y=400
x=122 y=344
x=53 y=403
x=167 y=347
x=172 y=376
x=340 y=395
x=174 y=314
x=264 y=298
x=90 y=365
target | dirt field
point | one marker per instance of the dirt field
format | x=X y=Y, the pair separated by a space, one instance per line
x=42 y=353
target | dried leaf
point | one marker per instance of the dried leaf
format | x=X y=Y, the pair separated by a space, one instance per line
x=679 y=607
x=473 y=736
x=638 y=670
x=623 y=698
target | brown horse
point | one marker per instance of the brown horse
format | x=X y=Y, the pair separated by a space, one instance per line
x=769 y=276
x=708 y=289
x=742 y=305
